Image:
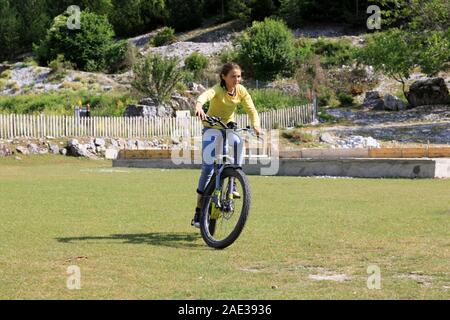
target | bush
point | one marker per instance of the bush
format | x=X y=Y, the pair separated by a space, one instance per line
x=62 y=103
x=334 y=53
x=273 y=99
x=267 y=49
x=156 y=77
x=163 y=37
x=58 y=68
x=196 y=63
x=298 y=136
x=87 y=47
x=121 y=56
x=390 y=52
x=185 y=14
x=345 y=99
x=229 y=55
x=6 y=74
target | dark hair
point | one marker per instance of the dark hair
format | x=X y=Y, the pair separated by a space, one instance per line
x=225 y=70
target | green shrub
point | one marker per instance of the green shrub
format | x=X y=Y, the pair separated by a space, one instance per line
x=30 y=62
x=163 y=37
x=86 y=47
x=62 y=103
x=58 y=68
x=196 y=63
x=121 y=56
x=334 y=53
x=229 y=55
x=156 y=77
x=273 y=99
x=267 y=49
x=185 y=14
x=298 y=136
x=345 y=99
x=6 y=74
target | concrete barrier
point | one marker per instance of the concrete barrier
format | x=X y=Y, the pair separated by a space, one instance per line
x=357 y=167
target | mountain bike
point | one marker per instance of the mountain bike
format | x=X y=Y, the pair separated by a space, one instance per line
x=227 y=197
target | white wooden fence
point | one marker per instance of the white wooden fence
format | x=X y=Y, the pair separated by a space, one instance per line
x=38 y=126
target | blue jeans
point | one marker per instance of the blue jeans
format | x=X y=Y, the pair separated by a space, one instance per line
x=209 y=137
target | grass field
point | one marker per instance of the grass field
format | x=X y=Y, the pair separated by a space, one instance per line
x=128 y=231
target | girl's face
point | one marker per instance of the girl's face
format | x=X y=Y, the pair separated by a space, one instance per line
x=233 y=78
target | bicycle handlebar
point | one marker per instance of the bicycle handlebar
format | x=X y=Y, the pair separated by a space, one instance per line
x=217 y=120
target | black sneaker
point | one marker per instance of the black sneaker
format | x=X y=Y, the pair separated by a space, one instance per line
x=196 y=221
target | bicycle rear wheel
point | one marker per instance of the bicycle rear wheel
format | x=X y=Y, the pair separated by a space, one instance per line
x=220 y=227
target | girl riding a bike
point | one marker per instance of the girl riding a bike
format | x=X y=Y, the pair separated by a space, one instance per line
x=223 y=99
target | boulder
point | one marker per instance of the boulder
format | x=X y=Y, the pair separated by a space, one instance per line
x=393 y=103
x=196 y=88
x=428 y=92
x=54 y=148
x=99 y=142
x=373 y=101
x=34 y=149
x=111 y=153
x=22 y=150
x=140 y=145
x=5 y=151
x=327 y=138
x=63 y=151
x=136 y=110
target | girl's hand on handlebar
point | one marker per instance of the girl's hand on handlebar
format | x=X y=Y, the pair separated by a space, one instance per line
x=200 y=114
x=258 y=131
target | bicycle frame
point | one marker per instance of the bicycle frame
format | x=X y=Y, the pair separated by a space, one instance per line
x=218 y=168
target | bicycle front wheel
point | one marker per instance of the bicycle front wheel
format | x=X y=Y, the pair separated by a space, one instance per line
x=220 y=227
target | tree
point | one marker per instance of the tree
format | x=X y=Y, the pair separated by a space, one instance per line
x=55 y=8
x=434 y=52
x=251 y=10
x=295 y=12
x=87 y=47
x=185 y=14
x=126 y=17
x=9 y=30
x=34 y=21
x=416 y=15
x=267 y=49
x=396 y=53
x=390 y=52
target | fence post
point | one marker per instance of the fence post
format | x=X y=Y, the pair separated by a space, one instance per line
x=314 y=106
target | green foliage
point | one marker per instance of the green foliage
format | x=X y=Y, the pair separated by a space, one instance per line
x=6 y=74
x=34 y=21
x=196 y=63
x=345 y=99
x=58 y=67
x=185 y=14
x=120 y=55
x=163 y=37
x=434 y=52
x=297 y=12
x=87 y=47
x=156 y=77
x=390 y=52
x=273 y=99
x=62 y=103
x=416 y=15
x=229 y=55
x=251 y=10
x=9 y=30
x=299 y=136
x=396 y=52
x=267 y=49
x=333 y=53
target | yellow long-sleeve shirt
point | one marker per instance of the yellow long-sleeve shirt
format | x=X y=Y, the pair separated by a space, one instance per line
x=222 y=105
